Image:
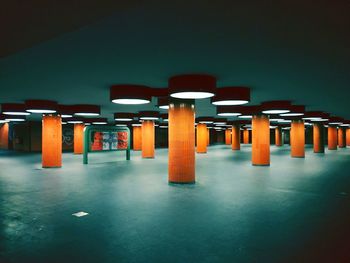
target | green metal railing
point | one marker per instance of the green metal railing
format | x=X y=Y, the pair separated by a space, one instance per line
x=110 y=129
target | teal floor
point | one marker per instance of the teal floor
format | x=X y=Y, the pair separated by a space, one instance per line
x=296 y=210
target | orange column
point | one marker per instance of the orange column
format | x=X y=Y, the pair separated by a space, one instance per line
x=137 y=138
x=202 y=138
x=4 y=136
x=228 y=137
x=348 y=137
x=297 y=137
x=332 y=138
x=51 y=141
x=236 y=137
x=208 y=137
x=79 y=138
x=278 y=136
x=341 y=138
x=246 y=136
x=181 y=166
x=318 y=133
x=260 y=140
x=148 y=139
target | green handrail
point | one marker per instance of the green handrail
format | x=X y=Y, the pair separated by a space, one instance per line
x=87 y=139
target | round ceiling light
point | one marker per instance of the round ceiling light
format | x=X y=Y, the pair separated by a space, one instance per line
x=149 y=115
x=220 y=121
x=295 y=110
x=228 y=111
x=14 y=109
x=276 y=107
x=248 y=111
x=19 y=118
x=315 y=116
x=163 y=103
x=205 y=120
x=345 y=124
x=124 y=116
x=335 y=121
x=66 y=111
x=3 y=119
x=41 y=106
x=231 y=96
x=164 y=117
x=193 y=86
x=86 y=110
x=130 y=94
x=75 y=120
x=98 y=121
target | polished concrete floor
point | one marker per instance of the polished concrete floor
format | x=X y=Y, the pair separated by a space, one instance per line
x=296 y=210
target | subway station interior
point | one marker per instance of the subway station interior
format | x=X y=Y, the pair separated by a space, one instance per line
x=184 y=131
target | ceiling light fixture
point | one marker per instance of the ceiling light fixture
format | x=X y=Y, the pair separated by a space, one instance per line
x=124 y=116
x=86 y=110
x=14 y=109
x=130 y=94
x=192 y=86
x=41 y=106
x=149 y=115
x=276 y=107
x=231 y=96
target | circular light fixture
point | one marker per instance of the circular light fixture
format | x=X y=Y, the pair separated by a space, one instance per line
x=124 y=116
x=2 y=119
x=220 y=121
x=97 y=121
x=41 y=106
x=285 y=121
x=130 y=94
x=248 y=111
x=164 y=117
x=14 y=109
x=15 y=118
x=149 y=115
x=86 y=110
x=345 y=124
x=75 y=120
x=228 y=111
x=231 y=96
x=295 y=110
x=276 y=107
x=66 y=111
x=245 y=116
x=335 y=121
x=192 y=86
x=276 y=120
x=163 y=103
x=135 y=124
x=315 y=116
x=205 y=120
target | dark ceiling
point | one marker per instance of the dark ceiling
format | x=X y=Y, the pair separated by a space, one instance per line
x=72 y=51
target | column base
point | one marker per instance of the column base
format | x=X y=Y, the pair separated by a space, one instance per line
x=298 y=157
x=171 y=182
x=54 y=167
x=260 y=164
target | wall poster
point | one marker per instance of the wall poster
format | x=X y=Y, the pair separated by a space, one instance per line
x=107 y=141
